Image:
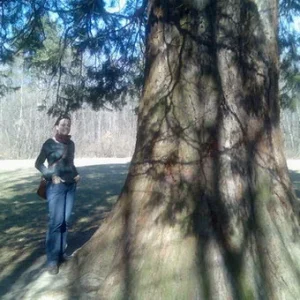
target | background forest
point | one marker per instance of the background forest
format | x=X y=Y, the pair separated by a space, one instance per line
x=97 y=78
x=105 y=133
x=108 y=132
x=25 y=124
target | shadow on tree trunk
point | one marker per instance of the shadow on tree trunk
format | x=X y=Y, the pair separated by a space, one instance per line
x=208 y=210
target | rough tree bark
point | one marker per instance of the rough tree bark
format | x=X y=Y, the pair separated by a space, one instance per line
x=207 y=210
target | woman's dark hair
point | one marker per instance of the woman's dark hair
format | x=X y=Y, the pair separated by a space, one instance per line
x=60 y=118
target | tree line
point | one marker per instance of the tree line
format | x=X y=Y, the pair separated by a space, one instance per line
x=25 y=125
x=103 y=133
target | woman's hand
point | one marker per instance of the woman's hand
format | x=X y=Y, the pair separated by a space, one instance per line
x=56 y=179
x=77 y=178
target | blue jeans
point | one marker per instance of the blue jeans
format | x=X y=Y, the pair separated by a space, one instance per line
x=61 y=199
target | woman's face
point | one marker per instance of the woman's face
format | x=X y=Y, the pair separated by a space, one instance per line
x=64 y=126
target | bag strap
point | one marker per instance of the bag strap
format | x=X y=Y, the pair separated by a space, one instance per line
x=56 y=162
x=63 y=156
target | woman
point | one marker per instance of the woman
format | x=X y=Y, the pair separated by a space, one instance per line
x=62 y=177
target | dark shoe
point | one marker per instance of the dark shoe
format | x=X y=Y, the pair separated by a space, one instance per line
x=52 y=269
x=65 y=258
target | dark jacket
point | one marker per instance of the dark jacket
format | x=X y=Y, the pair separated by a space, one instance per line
x=60 y=158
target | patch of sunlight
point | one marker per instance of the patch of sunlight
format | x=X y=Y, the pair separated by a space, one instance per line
x=112 y=199
x=31 y=202
x=101 y=208
x=293 y=164
x=11 y=259
x=14 y=229
x=6 y=254
x=83 y=220
x=48 y=287
x=94 y=176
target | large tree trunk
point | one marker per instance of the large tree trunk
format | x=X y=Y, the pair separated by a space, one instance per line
x=207 y=211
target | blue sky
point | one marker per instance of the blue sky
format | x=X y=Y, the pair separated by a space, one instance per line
x=116 y=7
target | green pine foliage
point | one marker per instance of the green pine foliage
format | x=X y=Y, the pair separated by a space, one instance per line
x=289 y=49
x=91 y=55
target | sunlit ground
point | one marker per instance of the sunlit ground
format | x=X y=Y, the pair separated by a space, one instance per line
x=23 y=215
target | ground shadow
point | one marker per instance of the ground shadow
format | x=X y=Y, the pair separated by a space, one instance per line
x=295 y=176
x=23 y=216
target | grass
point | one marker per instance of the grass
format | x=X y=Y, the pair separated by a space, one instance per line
x=23 y=215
